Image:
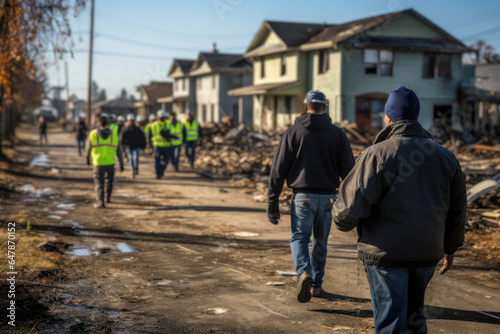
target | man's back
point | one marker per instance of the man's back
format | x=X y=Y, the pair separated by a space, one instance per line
x=313 y=155
x=410 y=186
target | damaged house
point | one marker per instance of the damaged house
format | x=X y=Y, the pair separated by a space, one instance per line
x=184 y=94
x=356 y=64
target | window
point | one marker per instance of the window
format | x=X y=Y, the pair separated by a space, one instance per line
x=283 y=64
x=437 y=65
x=183 y=84
x=237 y=80
x=262 y=67
x=213 y=81
x=212 y=112
x=379 y=62
x=199 y=82
x=324 y=61
x=235 y=112
x=176 y=85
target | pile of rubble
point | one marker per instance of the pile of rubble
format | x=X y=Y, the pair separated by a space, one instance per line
x=244 y=158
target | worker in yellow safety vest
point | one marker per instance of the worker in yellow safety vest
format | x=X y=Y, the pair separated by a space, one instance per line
x=192 y=133
x=147 y=131
x=102 y=146
x=160 y=138
x=176 y=129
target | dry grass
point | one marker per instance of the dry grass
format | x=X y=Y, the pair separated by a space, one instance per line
x=28 y=256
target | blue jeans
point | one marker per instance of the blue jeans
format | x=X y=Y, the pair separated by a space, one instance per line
x=311 y=213
x=190 y=148
x=176 y=150
x=81 y=145
x=162 y=156
x=398 y=298
x=133 y=158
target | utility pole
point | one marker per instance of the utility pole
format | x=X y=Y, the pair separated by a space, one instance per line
x=91 y=44
x=67 y=90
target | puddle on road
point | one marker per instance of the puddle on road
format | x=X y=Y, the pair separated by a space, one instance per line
x=54 y=217
x=217 y=310
x=41 y=160
x=61 y=212
x=30 y=189
x=132 y=196
x=101 y=249
x=246 y=234
x=124 y=248
x=66 y=206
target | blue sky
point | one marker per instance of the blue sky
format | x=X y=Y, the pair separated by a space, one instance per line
x=135 y=41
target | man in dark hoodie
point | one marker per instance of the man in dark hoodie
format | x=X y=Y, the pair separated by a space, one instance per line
x=133 y=140
x=102 y=146
x=406 y=196
x=312 y=155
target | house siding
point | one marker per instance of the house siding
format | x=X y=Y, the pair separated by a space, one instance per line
x=407 y=71
x=273 y=68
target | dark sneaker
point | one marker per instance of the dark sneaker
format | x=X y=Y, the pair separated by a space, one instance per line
x=317 y=292
x=304 y=288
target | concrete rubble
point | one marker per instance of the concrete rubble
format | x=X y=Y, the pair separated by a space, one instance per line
x=244 y=158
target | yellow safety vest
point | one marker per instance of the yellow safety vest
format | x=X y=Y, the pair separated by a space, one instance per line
x=114 y=127
x=147 y=128
x=192 y=130
x=103 y=150
x=157 y=139
x=176 y=131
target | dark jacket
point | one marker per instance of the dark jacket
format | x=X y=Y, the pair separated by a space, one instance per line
x=104 y=133
x=133 y=137
x=406 y=196
x=312 y=156
x=81 y=130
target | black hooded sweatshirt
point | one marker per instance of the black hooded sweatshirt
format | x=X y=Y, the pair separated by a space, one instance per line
x=312 y=155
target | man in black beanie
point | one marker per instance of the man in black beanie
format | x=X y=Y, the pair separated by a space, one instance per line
x=406 y=196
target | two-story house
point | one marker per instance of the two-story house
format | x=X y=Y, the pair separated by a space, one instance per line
x=280 y=72
x=184 y=89
x=214 y=74
x=151 y=96
x=357 y=64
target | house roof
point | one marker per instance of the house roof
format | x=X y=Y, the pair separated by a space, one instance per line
x=222 y=62
x=156 y=89
x=294 y=34
x=184 y=65
x=290 y=34
x=335 y=34
x=261 y=89
x=407 y=43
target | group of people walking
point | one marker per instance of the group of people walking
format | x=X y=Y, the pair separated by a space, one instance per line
x=108 y=140
x=405 y=195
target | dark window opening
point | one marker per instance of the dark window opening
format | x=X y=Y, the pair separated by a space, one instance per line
x=378 y=62
x=283 y=64
x=436 y=65
x=324 y=61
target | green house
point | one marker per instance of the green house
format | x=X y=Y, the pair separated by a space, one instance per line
x=357 y=64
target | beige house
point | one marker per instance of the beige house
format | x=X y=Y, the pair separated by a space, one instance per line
x=155 y=96
x=280 y=72
x=184 y=88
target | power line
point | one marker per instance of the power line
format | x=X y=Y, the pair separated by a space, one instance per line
x=124 y=55
x=482 y=33
x=177 y=33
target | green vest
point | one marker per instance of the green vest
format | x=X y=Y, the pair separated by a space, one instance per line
x=157 y=139
x=192 y=130
x=147 y=128
x=176 y=131
x=114 y=127
x=103 y=150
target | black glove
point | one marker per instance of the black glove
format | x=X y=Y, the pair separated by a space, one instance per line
x=121 y=168
x=273 y=211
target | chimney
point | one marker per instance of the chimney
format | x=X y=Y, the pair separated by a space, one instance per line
x=214 y=49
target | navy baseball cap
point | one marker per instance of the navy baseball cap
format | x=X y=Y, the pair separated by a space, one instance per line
x=315 y=96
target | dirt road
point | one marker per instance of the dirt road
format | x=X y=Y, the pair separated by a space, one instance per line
x=189 y=255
